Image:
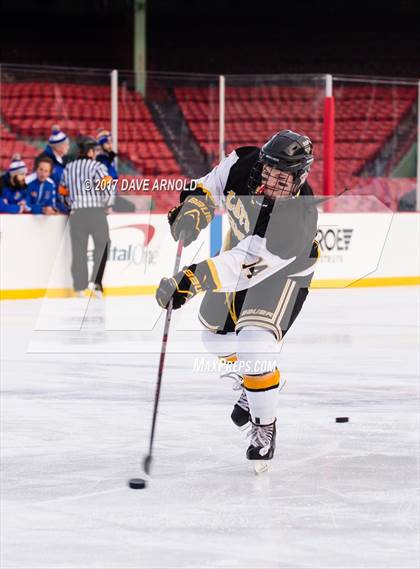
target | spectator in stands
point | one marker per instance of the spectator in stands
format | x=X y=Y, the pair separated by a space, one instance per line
x=106 y=156
x=13 y=188
x=56 y=149
x=41 y=192
x=106 y=153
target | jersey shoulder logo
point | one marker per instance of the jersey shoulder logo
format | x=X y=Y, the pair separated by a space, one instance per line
x=238 y=216
x=252 y=269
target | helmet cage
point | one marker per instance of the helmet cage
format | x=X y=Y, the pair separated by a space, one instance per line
x=273 y=182
x=281 y=170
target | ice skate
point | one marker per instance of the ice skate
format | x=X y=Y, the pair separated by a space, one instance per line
x=228 y=371
x=240 y=414
x=262 y=446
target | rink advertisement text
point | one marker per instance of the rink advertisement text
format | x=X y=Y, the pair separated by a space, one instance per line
x=334 y=242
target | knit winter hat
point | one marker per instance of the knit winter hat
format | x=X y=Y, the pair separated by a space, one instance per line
x=103 y=136
x=17 y=165
x=57 y=136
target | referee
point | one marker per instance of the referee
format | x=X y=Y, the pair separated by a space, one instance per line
x=91 y=196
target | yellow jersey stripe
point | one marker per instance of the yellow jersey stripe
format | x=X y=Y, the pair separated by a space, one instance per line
x=214 y=273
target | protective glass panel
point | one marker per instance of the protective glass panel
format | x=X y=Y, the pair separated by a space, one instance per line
x=165 y=122
x=375 y=143
x=259 y=106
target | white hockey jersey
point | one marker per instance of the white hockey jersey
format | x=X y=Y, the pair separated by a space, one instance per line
x=262 y=239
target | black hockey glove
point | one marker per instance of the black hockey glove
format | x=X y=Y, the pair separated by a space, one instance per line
x=191 y=216
x=186 y=284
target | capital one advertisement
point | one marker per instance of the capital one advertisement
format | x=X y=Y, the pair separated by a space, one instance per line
x=142 y=251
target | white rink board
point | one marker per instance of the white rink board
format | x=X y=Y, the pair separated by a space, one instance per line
x=36 y=254
x=358 y=245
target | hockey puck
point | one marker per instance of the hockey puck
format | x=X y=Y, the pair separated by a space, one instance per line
x=341 y=419
x=137 y=483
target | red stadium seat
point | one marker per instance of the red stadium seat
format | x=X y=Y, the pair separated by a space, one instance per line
x=366 y=118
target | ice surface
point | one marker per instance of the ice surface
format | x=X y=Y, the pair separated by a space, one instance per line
x=78 y=382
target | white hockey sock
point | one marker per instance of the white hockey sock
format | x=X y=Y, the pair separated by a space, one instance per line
x=220 y=345
x=262 y=393
x=257 y=351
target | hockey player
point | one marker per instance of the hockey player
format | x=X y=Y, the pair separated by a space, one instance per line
x=255 y=288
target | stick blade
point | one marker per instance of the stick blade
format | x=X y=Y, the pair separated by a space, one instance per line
x=147 y=463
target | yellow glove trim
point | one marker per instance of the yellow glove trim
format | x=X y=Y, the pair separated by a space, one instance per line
x=207 y=193
x=196 y=215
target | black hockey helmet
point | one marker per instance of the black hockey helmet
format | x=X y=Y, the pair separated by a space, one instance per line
x=283 y=165
x=86 y=143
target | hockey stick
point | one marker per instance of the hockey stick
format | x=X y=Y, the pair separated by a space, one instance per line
x=318 y=201
x=147 y=462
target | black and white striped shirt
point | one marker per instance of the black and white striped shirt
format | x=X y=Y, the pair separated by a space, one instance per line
x=82 y=178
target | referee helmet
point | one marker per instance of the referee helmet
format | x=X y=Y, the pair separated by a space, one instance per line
x=86 y=143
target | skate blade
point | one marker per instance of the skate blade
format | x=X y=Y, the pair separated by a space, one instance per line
x=260 y=466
